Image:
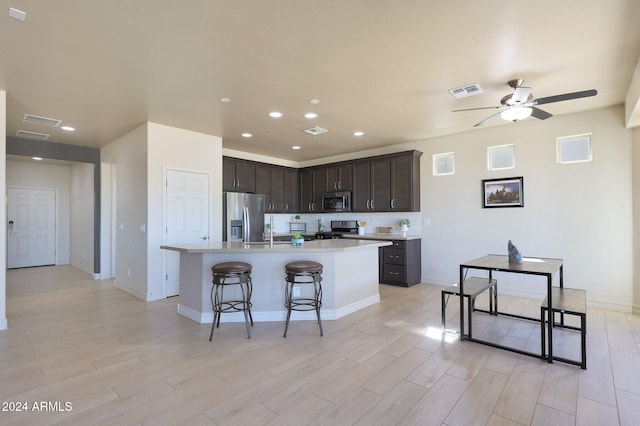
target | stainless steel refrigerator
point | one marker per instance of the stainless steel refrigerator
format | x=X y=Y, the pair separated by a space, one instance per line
x=243 y=217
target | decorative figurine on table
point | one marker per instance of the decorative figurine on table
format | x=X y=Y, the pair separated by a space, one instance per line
x=514 y=253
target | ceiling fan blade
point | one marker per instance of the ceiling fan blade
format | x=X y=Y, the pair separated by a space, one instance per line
x=565 y=97
x=540 y=114
x=473 y=109
x=520 y=95
x=487 y=119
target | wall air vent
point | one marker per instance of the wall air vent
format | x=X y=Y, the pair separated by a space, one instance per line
x=315 y=130
x=32 y=135
x=466 y=91
x=51 y=122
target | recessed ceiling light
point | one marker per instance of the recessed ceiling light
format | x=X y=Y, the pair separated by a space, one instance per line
x=246 y=135
x=225 y=100
x=37 y=158
x=68 y=128
x=311 y=115
x=314 y=102
x=295 y=147
x=275 y=114
x=358 y=133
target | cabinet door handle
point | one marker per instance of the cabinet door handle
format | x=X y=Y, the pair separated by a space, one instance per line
x=393 y=203
x=237 y=182
x=368 y=204
x=371 y=204
x=338 y=184
x=286 y=206
x=394 y=257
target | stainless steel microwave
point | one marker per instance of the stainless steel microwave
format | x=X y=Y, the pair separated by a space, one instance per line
x=337 y=202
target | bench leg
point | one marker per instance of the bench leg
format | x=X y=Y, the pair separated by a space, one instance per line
x=471 y=301
x=443 y=308
x=543 y=351
x=583 y=335
x=495 y=300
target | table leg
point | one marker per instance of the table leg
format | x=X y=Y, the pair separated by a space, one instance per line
x=461 y=303
x=550 y=317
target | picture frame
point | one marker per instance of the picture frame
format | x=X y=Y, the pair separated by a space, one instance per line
x=503 y=192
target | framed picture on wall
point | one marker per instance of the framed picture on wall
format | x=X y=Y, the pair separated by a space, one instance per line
x=506 y=192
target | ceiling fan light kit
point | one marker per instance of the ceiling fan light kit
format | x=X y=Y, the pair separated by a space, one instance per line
x=521 y=104
x=516 y=113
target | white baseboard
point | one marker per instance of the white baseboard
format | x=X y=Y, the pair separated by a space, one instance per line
x=278 y=316
x=360 y=304
x=130 y=290
x=84 y=268
x=102 y=276
x=4 y=324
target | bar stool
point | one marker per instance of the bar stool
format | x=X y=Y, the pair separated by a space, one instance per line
x=228 y=274
x=303 y=272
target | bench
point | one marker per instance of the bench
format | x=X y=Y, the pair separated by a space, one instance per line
x=473 y=286
x=572 y=302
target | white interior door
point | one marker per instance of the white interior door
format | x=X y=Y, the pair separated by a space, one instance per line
x=186 y=219
x=31 y=227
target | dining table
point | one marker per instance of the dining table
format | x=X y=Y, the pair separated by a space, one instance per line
x=547 y=268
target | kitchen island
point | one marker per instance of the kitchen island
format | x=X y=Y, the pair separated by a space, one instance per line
x=349 y=278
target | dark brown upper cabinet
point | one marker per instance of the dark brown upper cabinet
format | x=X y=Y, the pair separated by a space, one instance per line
x=338 y=177
x=387 y=183
x=238 y=175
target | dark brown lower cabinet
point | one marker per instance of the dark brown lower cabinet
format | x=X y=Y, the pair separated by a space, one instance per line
x=400 y=263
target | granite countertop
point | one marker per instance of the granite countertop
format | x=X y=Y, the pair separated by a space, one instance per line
x=331 y=245
x=384 y=237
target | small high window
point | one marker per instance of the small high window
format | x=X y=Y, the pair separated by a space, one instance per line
x=501 y=157
x=444 y=164
x=574 y=149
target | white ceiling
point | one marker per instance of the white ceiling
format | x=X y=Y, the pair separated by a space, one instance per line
x=381 y=66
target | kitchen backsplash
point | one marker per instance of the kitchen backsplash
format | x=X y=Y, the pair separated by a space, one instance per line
x=374 y=220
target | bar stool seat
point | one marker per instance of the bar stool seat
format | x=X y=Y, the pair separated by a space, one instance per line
x=231 y=274
x=300 y=273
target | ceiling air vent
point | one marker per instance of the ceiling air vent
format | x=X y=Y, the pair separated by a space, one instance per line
x=32 y=135
x=466 y=91
x=315 y=130
x=30 y=118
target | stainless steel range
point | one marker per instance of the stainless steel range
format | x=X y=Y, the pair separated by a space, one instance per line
x=338 y=229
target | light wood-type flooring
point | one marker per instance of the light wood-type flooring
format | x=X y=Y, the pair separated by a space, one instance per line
x=96 y=355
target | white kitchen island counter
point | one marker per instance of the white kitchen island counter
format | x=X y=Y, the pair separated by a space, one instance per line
x=349 y=278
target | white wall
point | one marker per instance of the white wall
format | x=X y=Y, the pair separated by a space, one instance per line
x=184 y=150
x=636 y=218
x=81 y=216
x=3 y=212
x=129 y=154
x=51 y=176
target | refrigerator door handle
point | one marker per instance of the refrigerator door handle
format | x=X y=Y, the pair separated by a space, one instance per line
x=246 y=225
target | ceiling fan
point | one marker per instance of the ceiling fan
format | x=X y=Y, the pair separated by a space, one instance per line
x=520 y=104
